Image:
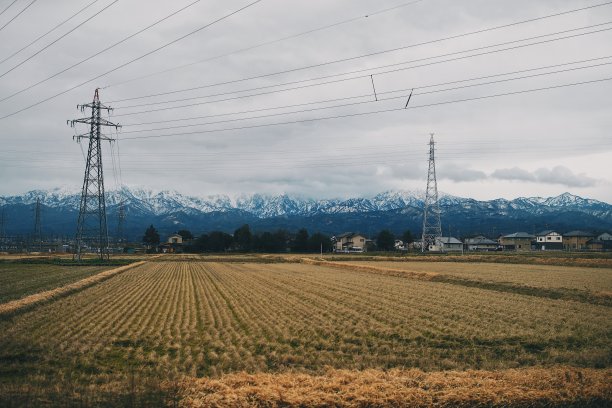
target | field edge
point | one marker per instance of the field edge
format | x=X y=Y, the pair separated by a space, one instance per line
x=532 y=387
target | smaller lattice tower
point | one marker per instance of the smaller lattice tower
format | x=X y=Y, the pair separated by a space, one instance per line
x=432 y=227
x=37 y=226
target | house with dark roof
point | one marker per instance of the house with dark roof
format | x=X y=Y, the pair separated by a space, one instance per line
x=576 y=240
x=518 y=241
x=448 y=244
x=549 y=240
x=350 y=242
x=480 y=243
x=603 y=242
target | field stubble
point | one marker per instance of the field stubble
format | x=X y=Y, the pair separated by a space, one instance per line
x=194 y=319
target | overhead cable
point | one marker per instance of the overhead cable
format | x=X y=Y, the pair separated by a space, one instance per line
x=132 y=60
x=18 y=14
x=350 y=20
x=372 y=112
x=48 y=32
x=100 y=52
x=383 y=72
x=7 y=7
x=378 y=99
x=357 y=96
x=374 y=53
x=55 y=41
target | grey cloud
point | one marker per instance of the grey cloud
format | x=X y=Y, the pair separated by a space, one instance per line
x=557 y=175
x=458 y=173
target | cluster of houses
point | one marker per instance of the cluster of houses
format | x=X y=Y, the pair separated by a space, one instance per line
x=548 y=240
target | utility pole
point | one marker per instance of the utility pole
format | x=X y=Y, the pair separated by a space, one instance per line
x=2 y=232
x=92 y=228
x=120 y=222
x=432 y=227
x=37 y=226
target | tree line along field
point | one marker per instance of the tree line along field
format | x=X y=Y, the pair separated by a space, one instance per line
x=196 y=318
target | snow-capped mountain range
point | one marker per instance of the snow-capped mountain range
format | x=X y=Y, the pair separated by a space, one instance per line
x=267 y=206
x=173 y=210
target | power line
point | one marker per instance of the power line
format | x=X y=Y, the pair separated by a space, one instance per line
x=18 y=14
x=7 y=7
x=99 y=52
x=55 y=41
x=350 y=20
x=394 y=70
x=367 y=95
x=132 y=60
x=49 y=32
x=380 y=99
x=364 y=70
x=372 y=112
x=383 y=52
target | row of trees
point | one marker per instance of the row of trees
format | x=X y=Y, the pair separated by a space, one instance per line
x=244 y=240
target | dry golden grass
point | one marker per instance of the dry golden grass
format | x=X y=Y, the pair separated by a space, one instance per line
x=531 y=387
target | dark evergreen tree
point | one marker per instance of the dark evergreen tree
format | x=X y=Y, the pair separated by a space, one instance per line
x=151 y=236
x=385 y=240
x=186 y=234
x=219 y=241
x=407 y=237
x=243 y=238
x=300 y=242
x=317 y=240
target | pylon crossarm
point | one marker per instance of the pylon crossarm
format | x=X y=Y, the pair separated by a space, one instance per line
x=86 y=136
x=89 y=121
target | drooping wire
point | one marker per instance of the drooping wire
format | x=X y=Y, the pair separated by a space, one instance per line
x=382 y=99
x=132 y=60
x=385 y=51
x=55 y=41
x=7 y=7
x=18 y=14
x=99 y=52
x=375 y=112
x=301 y=34
x=48 y=32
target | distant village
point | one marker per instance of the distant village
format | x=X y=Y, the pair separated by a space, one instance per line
x=349 y=242
x=548 y=240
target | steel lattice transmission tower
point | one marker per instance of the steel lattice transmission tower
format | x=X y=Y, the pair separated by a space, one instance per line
x=92 y=230
x=37 y=226
x=432 y=227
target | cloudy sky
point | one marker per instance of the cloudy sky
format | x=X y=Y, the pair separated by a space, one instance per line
x=277 y=97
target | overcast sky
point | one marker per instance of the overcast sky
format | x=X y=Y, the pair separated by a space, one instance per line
x=539 y=143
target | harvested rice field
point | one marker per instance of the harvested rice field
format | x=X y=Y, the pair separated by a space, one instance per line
x=568 y=277
x=200 y=333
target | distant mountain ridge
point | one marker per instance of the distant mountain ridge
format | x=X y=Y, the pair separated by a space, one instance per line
x=170 y=210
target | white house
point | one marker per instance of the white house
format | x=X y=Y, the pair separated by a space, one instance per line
x=175 y=239
x=549 y=239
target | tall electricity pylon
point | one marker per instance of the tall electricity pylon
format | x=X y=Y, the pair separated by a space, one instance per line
x=37 y=226
x=92 y=230
x=432 y=227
